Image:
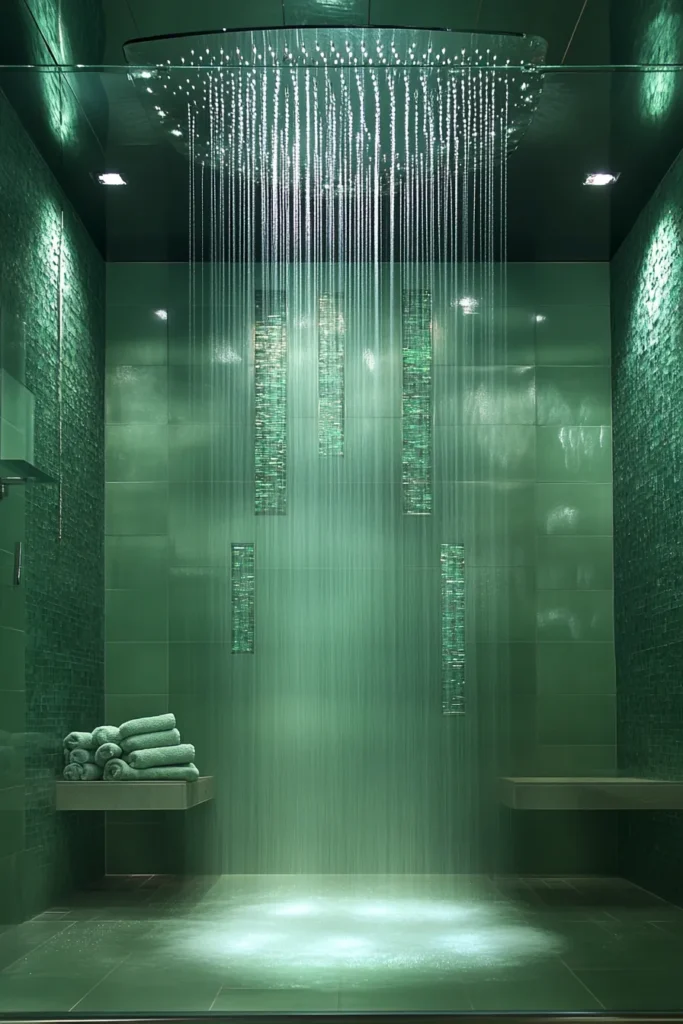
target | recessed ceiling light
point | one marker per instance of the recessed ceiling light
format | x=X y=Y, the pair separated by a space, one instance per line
x=161 y=313
x=539 y=318
x=111 y=178
x=176 y=131
x=601 y=178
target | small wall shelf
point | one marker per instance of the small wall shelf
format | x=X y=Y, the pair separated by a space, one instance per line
x=590 y=794
x=133 y=796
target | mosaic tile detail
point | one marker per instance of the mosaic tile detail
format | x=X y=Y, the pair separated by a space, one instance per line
x=453 y=629
x=417 y=402
x=243 y=603
x=270 y=384
x=55 y=265
x=647 y=378
x=331 y=338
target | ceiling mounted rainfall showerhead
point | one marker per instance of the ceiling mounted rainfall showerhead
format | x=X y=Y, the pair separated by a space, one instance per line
x=380 y=97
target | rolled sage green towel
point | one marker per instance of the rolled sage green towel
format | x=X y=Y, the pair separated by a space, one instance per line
x=105 y=734
x=75 y=772
x=83 y=740
x=156 y=757
x=137 y=726
x=118 y=771
x=147 y=740
x=105 y=753
x=80 y=756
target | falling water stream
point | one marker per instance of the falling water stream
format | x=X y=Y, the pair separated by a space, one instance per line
x=347 y=287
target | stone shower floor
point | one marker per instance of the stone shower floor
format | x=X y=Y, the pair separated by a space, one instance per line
x=153 y=944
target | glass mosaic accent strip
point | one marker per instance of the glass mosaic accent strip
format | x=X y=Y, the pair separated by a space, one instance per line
x=331 y=336
x=417 y=402
x=453 y=629
x=243 y=598
x=270 y=384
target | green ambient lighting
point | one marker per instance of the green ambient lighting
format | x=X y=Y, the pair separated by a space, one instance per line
x=243 y=598
x=659 y=295
x=331 y=333
x=453 y=628
x=270 y=400
x=417 y=402
x=661 y=45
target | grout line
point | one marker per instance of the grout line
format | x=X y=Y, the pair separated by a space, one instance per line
x=571 y=38
x=213 y=1001
x=99 y=982
x=590 y=992
x=40 y=945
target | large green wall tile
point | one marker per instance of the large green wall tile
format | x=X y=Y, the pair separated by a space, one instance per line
x=586 y=719
x=140 y=509
x=121 y=707
x=199 y=604
x=484 y=395
x=574 y=395
x=136 y=667
x=484 y=453
x=136 y=451
x=500 y=604
x=135 y=562
x=204 y=452
x=575 y=615
x=140 y=284
x=12 y=716
x=136 y=394
x=459 y=341
x=12 y=598
x=573 y=335
x=566 y=562
x=137 y=614
x=211 y=393
x=574 y=509
x=13 y=646
x=559 y=760
x=579 y=454
x=578 y=284
x=12 y=804
x=495 y=521
x=571 y=667
x=205 y=519
x=135 y=336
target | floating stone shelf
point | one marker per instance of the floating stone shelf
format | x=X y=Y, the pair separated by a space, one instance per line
x=133 y=796
x=591 y=794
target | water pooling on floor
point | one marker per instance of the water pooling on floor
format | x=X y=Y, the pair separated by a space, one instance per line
x=279 y=943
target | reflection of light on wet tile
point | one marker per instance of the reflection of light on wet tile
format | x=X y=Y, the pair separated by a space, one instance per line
x=331 y=931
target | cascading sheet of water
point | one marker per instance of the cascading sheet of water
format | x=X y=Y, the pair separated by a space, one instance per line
x=347 y=283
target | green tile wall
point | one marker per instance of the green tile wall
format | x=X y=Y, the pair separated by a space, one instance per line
x=647 y=292
x=51 y=628
x=329 y=744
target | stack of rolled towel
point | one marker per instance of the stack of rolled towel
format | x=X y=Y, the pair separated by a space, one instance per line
x=142 y=749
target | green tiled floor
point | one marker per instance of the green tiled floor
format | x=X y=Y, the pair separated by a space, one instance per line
x=289 y=944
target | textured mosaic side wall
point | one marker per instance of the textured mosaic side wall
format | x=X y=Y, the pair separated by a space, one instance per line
x=647 y=297
x=51 y=275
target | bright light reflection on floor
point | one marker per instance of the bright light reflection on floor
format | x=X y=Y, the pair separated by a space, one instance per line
x=277 y=939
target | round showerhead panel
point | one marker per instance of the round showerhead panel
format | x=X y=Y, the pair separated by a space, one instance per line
x=289 y=97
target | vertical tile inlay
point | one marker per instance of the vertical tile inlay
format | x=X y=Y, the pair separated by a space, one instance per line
x=243 y=598
x=331 y=333
x=453 y=629
x=270 y=384
x=417 y=402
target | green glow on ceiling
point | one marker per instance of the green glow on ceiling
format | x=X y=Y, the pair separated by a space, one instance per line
x=660 y=45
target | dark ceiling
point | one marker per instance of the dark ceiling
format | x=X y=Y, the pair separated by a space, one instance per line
x=587 y=120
